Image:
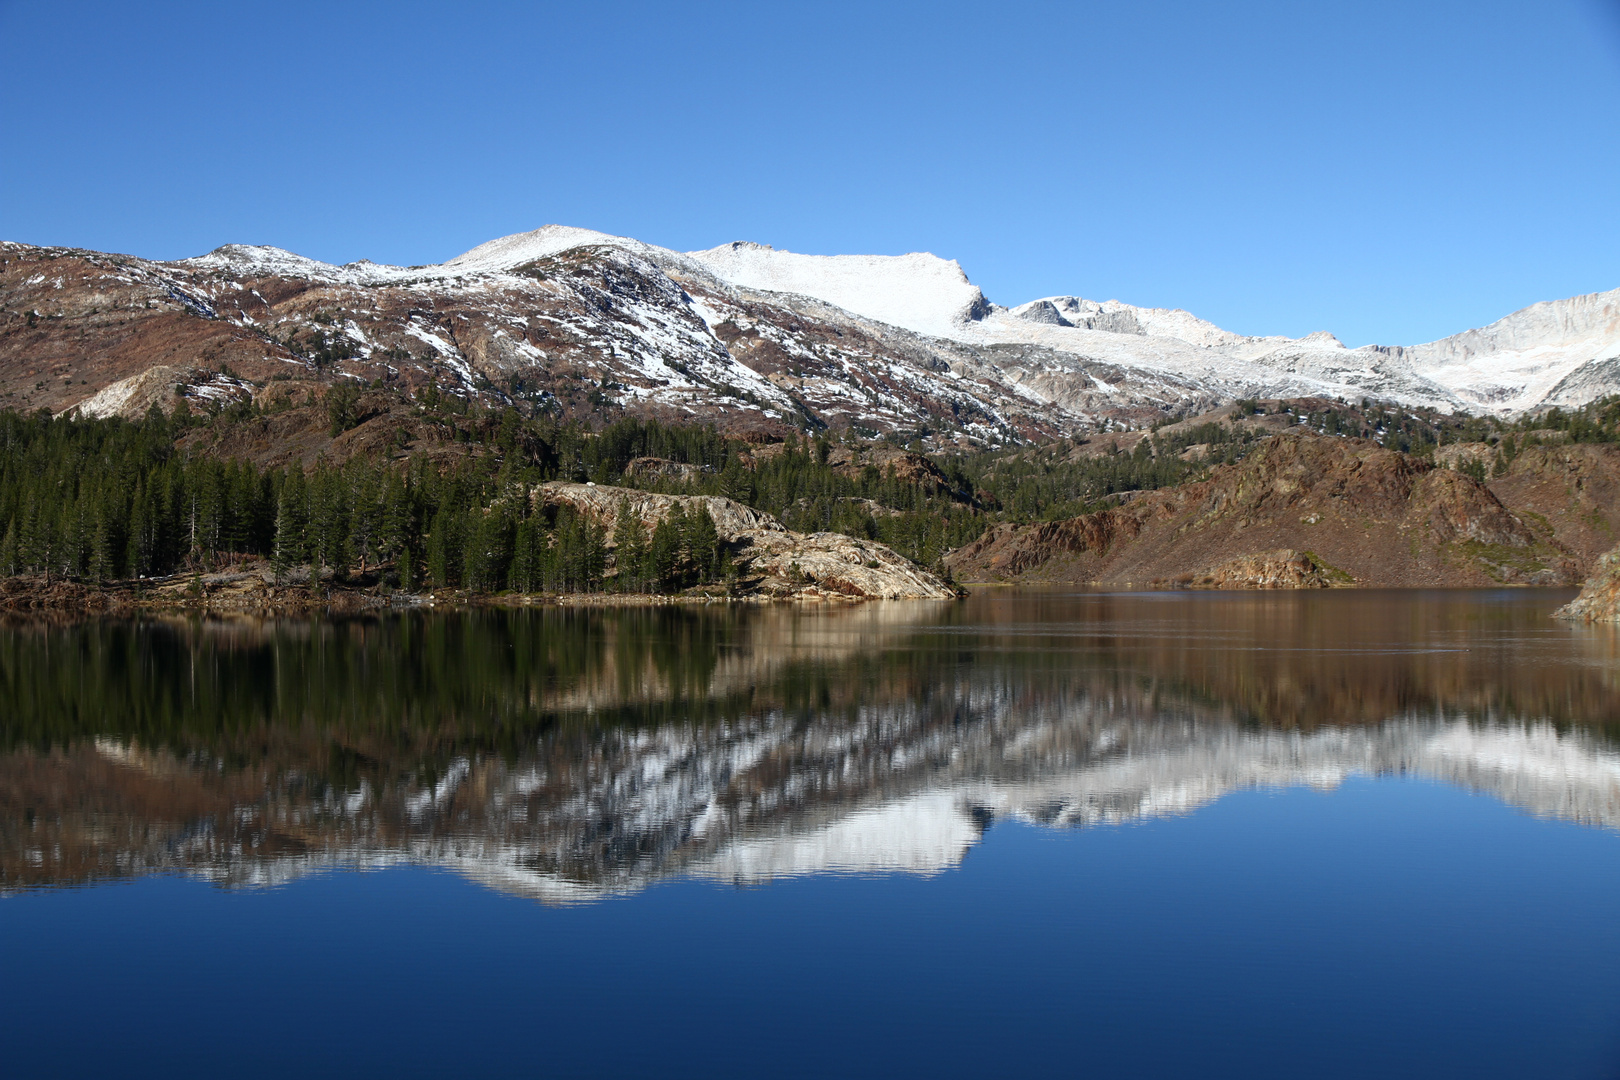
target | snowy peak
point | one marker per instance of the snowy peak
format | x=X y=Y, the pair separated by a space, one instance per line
x=544 y=242
x=1593 y=318
x=1538 y=355
x=919 y=292
x=263 y=259
x=494 y=257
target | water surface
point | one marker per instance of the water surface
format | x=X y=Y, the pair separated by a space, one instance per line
x=1033 y=833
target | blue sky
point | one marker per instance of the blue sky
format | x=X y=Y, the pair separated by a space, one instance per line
x=1389 y=171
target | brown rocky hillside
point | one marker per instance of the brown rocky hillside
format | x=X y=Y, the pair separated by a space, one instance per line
x=1599 y=600
x=1360 y=514
x=1573 y=490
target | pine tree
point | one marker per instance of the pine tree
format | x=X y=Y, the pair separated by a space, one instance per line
x=31 y=544
x=365 y=512
x=103 y=562
x=138 y=555
x=329 y=523
x=289 y=547
x=665 y=554
x=702 y=544
x=526 y=548
x=9 y=565
x=629 y=550
x=396 y=530
x=444 y=550
x=489 y=555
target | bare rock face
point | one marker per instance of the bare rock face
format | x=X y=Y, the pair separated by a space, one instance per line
x=772 y=561
x=852 y=461
x=655 y=467
x=604 y=505
x=1600 y=597
x=1382 y=517
x=901 y=464
x=1462 y=455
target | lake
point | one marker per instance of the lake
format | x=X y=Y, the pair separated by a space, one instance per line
x=1033 y=833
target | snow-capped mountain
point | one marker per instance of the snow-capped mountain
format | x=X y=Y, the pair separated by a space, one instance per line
x=1513 y=364
x=577 y=320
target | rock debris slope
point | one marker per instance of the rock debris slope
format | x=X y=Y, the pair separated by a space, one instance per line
x=583 y=323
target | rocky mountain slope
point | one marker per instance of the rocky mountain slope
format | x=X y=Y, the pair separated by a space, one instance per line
x=586 y=324
x=1305 y=511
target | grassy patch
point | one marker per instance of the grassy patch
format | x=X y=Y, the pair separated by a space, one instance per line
x=1538 y=520
x=1499 y=560
x=1329 y=571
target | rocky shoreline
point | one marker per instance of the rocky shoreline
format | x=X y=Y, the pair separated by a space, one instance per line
x=1600 y=596
x=255 y=592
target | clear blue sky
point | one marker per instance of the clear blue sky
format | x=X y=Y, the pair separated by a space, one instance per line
x=1389 y=171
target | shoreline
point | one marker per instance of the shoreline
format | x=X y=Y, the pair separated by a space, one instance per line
x=250 y=593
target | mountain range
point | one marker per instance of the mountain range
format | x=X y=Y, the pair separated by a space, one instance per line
x=585 y=324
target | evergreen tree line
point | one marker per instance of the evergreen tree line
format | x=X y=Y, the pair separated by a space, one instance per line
x=103 y=500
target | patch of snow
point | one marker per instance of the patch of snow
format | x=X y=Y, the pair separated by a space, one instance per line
x=919 y=292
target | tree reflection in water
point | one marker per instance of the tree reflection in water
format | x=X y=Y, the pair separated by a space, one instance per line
x=567 y=753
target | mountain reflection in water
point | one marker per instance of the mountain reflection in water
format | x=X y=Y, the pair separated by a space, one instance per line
x=568 y=754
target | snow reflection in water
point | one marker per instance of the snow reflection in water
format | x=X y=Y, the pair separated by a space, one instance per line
x=750 y=746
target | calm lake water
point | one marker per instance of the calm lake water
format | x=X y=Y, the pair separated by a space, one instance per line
x=1054 y=833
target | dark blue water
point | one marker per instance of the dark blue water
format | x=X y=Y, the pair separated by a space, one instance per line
x=1156 y=880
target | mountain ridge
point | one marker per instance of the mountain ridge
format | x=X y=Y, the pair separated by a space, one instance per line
x=737 y=334
x=1591 y=319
